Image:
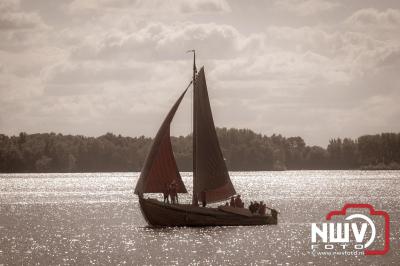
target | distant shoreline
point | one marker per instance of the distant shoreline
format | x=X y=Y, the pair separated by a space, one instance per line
x=138 y=172
x=243 y=150
x=236 y=171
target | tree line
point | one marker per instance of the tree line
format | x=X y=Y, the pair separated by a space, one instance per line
x=243 y=150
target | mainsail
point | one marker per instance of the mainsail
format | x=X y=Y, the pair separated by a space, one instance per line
x=160 y=167
x=211 y=177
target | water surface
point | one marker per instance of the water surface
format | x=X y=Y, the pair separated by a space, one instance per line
x=94 y=218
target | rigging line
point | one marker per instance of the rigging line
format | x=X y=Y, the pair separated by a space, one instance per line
x=191 y=111
x=192 y=130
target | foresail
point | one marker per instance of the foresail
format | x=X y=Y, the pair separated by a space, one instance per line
x=160 y=167
x=211 y=177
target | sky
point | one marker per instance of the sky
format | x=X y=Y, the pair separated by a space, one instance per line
x=312 y=68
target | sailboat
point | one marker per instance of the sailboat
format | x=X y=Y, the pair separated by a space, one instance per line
x=211 y=181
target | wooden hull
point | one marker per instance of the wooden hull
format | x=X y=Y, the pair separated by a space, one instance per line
x=161 y=214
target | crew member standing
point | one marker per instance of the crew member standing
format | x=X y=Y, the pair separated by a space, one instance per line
x=232 y=202
x=238 y=202
x=203 y=198
x=173 y=192
x=262 y=209
x=166 y=194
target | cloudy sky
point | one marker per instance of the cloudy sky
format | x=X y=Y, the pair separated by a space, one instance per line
x=313 y=68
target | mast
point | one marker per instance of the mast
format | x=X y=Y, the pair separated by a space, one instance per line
x=194 y=136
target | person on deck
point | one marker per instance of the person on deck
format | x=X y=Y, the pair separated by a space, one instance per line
x=238 y=202
x=166 y=194
x=274 y=213
x=262 y=208
x=251 y=207
x=173 y=192
x=256 y=207
x=203 y=198
x=232 y=203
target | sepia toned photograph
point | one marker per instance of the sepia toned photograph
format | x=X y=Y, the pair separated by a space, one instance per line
x=199 y=132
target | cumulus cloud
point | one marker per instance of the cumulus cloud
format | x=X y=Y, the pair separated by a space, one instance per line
x=7 y=5
x=146 y=7
x=77 y=5
x=11 y=17
x=306 y=7
x=306 y=55
x=370 y=17
x=205 y=6
x=279 y=67
x=19 y=29
x=158 y=41
x=19 y=20
x=69 y=73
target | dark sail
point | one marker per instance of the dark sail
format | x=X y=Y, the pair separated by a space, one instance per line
x=211 y=177
x=160 y=167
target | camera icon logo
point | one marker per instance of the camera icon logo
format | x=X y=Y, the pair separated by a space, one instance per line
x=351 y=234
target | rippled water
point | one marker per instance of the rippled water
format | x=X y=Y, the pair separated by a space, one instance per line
x=95 y=219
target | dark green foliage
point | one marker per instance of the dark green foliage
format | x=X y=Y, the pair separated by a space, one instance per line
x=243 y=150
x=66 y=153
